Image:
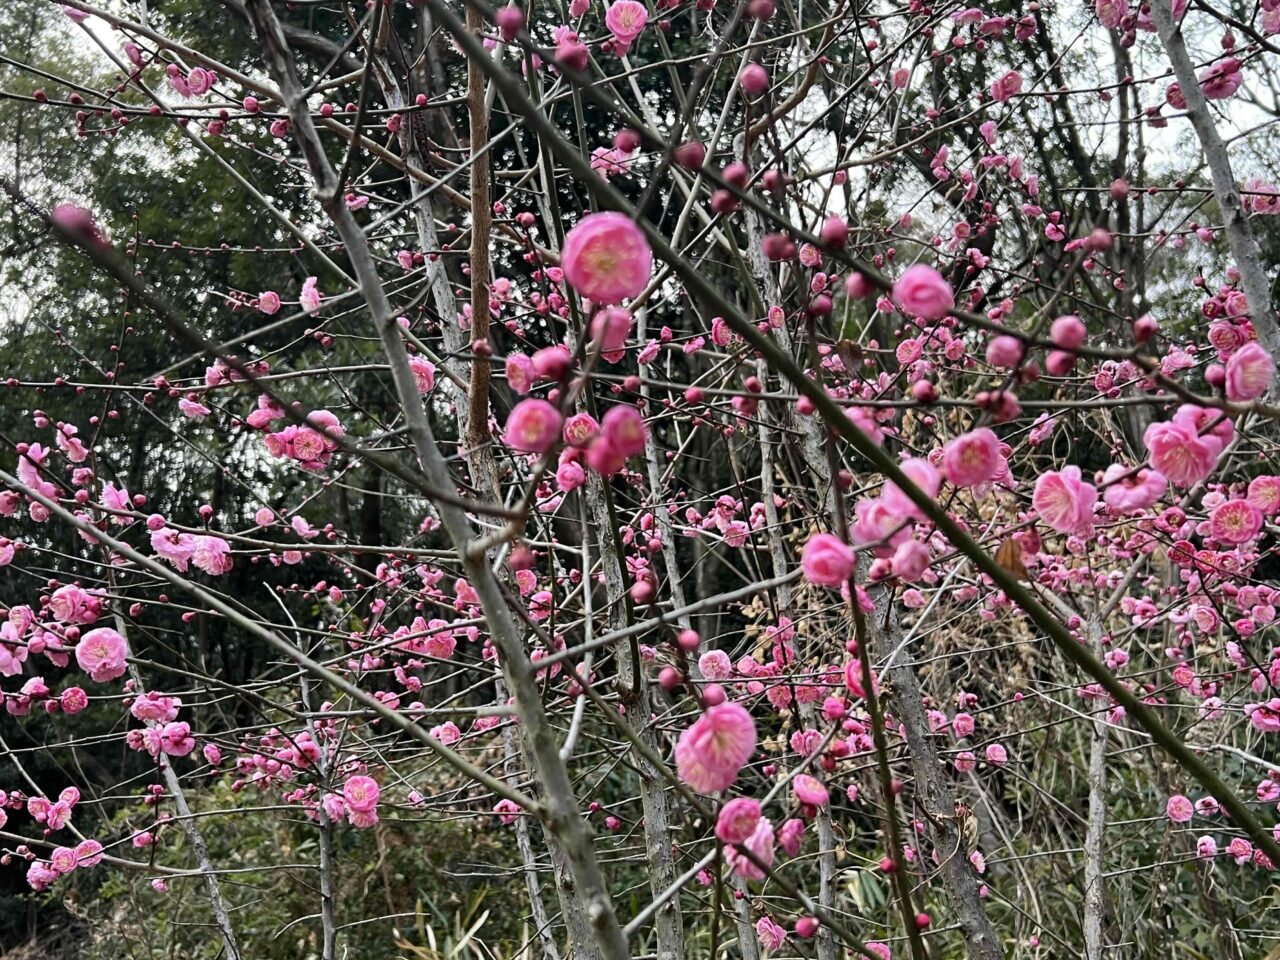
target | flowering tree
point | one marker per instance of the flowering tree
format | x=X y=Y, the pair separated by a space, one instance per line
x=764 y=479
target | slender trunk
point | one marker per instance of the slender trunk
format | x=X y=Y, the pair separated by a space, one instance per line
x=934 y=791
x=1240 y=238
x=558 y=809
x=1094 y=885
x=511 y=767
x=827 y=948
x=221 y=916
x=636 y=696
x=477 y=434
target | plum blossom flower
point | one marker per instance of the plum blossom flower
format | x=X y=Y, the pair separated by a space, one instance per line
x=715 y=665
x=1235 y=521
x=212 y=555
x=1264 y=493
x=569 y=474
x=1179 y=809
x=737 y=820
x=1180 y=452
x=1240 y=850
x=607 y=258
x=73 y=604
x=176 y=740
x=791 y=836
x=101 y=654
x=622 y=427
x=910 y=561
x=770 y=934
x=520 y=373
x=809 y=790
x=1111 y=12
x=924 y=475
x=40 y=875
x=58 y=815
x=508 y=811
x=424 y=374
x=193 y=409
x=608 y=161
x=1065 y=501
x=1265 y=716
x=73 y=700
x=1127 y=490
x=1249 y=373
x=1261 y=197
x=174 y=545
x=580 y=429
x=361 y=793
x=70 y=444
x=874 y=522
x=533 y=426
x=971 y=458
x=1007 y=86
x=610 y=328
x=827 y=560
x=923 y=292
x=310 y=297
x=447 y=733
x=625 y=20
x=761 y=845
x=714 y=748
x=88 y=853
x=1221 y=79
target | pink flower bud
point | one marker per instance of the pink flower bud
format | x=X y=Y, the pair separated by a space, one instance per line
x=835 y=232
x=754 y=79
x=1068 y=332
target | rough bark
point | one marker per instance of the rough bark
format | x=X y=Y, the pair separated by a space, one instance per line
x=1239 y=234
x=934 y=791
x=636 y=696
x=1094 y=886
x=559 y=809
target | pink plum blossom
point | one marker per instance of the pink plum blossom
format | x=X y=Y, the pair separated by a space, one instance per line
x=737 y=820
x=971 y=458
x=607 y=258
x=533 y=426
x=1180 y=452
x=361 y=793
x=922 y=291
x=1235 y=521
x=1128 y=490
x=1221 y=79
x=1249 y=373
x=1179 y=809
x=924 y=475
x=827 y=560
x=101 y=654
x=714 y=748
x=761 y=844
x=625 y=20
x=1064 y=501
